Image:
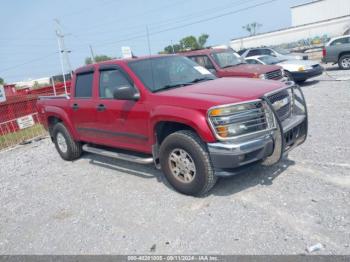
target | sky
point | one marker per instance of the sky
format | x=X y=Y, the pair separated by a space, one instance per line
x=29 y=48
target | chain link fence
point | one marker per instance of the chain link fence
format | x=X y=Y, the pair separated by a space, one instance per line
x=19 y=118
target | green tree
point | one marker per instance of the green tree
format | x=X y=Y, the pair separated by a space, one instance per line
x=202 y=40
x=187 y=43
x=98 y=58
x=252 y=28
x=2 y=81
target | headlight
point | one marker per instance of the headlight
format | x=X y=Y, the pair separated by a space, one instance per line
x=233 y=121
x=262 y=76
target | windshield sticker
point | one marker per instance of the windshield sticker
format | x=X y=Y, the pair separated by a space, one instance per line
x=202 y=70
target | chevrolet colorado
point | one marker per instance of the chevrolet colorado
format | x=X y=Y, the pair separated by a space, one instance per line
x=169 y=111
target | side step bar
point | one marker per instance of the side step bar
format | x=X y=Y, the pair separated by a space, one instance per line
x=107 y=153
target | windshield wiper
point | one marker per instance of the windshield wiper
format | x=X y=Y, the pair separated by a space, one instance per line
x=166 y=87
x=200 y=79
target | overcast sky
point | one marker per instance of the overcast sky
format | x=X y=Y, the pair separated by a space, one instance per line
x=28 y=46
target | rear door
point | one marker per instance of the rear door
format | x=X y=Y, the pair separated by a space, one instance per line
x=82 y=106
x=122 y=123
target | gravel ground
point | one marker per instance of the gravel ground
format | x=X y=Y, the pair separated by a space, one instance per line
x=97 y=205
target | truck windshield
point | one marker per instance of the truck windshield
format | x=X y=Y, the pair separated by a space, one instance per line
x=161 y=73
x=227 y=59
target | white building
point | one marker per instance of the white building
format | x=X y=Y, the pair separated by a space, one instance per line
x=313 y=23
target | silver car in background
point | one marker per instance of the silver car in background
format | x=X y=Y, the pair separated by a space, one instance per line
x=280 y=53
x=295 y=70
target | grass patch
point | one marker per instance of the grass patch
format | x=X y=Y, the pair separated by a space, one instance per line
x=15 y=138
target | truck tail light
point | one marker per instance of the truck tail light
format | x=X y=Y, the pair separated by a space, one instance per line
x=324 y=52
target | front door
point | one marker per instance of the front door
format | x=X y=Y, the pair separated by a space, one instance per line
x=122 y=123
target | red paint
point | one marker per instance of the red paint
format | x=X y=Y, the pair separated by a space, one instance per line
x=242 y=70
x=187 y=105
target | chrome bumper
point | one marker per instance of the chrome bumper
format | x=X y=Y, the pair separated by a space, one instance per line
x=230 y=155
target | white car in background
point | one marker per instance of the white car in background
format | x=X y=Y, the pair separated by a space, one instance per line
x=295 y=70
x=278 y=52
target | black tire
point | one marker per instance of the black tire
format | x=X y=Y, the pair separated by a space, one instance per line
x=73 y=148
x=342 y=64
x=204 y=178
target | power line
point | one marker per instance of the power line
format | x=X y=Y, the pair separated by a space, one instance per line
x=188 y=24
x=28 y=62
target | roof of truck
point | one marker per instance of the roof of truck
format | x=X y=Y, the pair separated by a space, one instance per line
x=120 y=60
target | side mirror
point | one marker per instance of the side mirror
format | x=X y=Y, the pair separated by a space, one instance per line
x=126 y=93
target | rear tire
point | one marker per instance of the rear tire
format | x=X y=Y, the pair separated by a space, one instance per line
x=344 y=62
x=65 y=145
x=186 y=164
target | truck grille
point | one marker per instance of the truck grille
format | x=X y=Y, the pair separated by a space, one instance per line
x=275 y=75
x=281 y=102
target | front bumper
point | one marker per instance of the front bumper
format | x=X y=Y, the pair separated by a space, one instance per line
x=304 y=75
x=230 y=157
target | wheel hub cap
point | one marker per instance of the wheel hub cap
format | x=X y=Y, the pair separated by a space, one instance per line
x=61 y=142
x=346 y=62
x=182 y=165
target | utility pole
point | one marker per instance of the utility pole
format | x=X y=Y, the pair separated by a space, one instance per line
x=92 y=54
x=172 y=46
x=63 y=52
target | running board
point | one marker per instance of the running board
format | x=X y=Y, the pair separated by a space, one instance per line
x=130 y=158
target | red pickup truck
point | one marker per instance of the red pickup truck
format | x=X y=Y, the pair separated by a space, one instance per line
x=169 y=111
x=227 y=63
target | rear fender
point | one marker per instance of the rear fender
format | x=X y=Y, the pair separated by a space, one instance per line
x=52 y=111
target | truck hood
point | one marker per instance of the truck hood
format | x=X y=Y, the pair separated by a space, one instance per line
x=217 y=92
x=249 y=69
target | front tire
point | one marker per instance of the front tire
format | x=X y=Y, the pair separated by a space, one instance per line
x=65 y=145
x=344 y=62
x=186 y=164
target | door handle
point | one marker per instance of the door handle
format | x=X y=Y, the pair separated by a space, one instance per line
x=75 y=107
x=101 y=107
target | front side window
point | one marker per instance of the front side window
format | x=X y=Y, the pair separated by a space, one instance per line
x=266 y=52
x=227 y=59
x=160 y=73
x=83 y=85
x=111 y=80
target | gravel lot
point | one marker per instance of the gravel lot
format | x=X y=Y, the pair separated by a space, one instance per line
x=97 y=205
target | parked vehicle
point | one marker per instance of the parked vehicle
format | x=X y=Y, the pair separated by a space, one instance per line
x=337 y=50
x=172 y=112
x=295 y=70
x=280 y=53
x=227 y=63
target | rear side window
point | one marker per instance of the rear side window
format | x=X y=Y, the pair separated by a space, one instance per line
x=83 y=85
x=341 y=41
x=254 y=52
